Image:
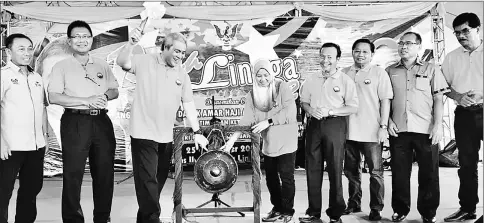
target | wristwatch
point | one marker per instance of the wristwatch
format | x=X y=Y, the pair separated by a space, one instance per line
x=199 y=131
x=330 y=112
x=270 y=121
x=383 y=126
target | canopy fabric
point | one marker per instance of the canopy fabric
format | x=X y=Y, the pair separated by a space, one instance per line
x=371 y=12
x=90 y=13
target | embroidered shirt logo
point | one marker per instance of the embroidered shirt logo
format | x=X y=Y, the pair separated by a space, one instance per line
x=367 y=81
x=336 y=89
x=14 y=80
x=100 y=75
x=37 y=84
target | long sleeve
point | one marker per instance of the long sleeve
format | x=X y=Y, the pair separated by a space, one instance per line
x=287 y=113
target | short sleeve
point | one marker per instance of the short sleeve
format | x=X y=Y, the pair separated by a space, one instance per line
x=56 y=80
x=111 y=79
x=249 y=117
x=385 y=90
x=3 y=88
x=305 y=91
x=438 y=83
x=135 y=58
x=351 y=97
x=446 y=71
x=187 y=93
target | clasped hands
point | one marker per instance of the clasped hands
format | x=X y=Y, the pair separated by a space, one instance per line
x=319 y=113
x=470 y=98
x=97 y=101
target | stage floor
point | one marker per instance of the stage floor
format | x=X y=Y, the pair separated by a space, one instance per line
x=125 y=206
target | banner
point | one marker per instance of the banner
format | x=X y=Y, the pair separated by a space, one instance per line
x=219 y=60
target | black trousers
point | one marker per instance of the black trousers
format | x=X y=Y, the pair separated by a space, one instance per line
x=86 y=136
x=468 y=136
x=372 y=152
x=402 y=149
x=29 y=166
x=280 y=181
x=325 y=141
x=151 y=164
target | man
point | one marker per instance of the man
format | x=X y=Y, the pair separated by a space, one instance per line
x=463 y=69
x=367 y=129
x=24 y=130
x=161 y=84
x=328 y=98
x=415 y=125
x=83 y=84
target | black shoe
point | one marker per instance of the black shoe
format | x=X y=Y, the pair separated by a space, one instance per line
x=335 y=220
x=374 y=215
x=350 y=210
x=429 y=220
x=309 y=219
x=272 y=216
x=396 y=217
x=460 y=216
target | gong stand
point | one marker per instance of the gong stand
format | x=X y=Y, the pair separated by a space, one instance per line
x=256 y=176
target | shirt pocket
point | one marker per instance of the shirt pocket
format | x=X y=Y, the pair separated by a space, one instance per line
x=422 y=83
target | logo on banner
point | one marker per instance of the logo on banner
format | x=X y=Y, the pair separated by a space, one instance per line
x=227 y=36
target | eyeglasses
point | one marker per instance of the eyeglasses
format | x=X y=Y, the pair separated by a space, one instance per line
x=408 y=43
x=79 y=37
x=465 y=32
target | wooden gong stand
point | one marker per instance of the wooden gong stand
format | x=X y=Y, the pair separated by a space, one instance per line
x=179 y=134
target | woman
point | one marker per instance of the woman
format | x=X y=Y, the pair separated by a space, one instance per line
x=271 y=107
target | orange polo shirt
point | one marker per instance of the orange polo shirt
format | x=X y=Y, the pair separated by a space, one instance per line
x=71 y=78
x=22 y=106
x=412 y=105
x=373 y=85
x=159 y=91
x=332 y=92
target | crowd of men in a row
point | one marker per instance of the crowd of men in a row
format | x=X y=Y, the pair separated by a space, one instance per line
x=352 y=111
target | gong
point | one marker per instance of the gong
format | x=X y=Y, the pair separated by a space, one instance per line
x=215 y=171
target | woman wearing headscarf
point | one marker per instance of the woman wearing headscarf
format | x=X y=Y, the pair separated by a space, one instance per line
x=271 y=111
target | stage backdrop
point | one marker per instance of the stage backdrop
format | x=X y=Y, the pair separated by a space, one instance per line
x=219 y=62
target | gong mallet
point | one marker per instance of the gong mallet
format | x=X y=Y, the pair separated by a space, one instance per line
x=153 y=10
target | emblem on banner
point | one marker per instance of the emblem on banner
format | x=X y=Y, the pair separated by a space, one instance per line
x=227 y=37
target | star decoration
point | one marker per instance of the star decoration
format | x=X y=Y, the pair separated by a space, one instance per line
x=187 y=29
x=180 y=25
x=198 y=39
x=268 y=22
x=166 y=30
x=204 y=25
x=297 y=53
x=258 y=46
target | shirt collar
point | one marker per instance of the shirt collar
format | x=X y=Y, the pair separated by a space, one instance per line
x=334 y=76
x=417 y=62
x=89 y=59
x=366 y=68
x=16 y=68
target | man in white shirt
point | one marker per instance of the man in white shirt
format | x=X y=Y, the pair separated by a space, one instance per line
x=463 y=70
x=23 y=130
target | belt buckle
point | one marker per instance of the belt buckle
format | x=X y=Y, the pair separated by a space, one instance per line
x=94 y=112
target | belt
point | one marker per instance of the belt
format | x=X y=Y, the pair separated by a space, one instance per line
x=324 y=118
x=87 y=111
x=472 y=107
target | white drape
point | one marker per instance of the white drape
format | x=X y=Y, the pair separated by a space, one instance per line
x=92 y=14
x=371 y=12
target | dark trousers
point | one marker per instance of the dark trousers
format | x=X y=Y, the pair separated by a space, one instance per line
x=402 y=149
x=468 y=136
x=29 y=166
x=325 y=141
x=86 y=136
x=280 y=181
x=372 y=152
x=151 y=164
